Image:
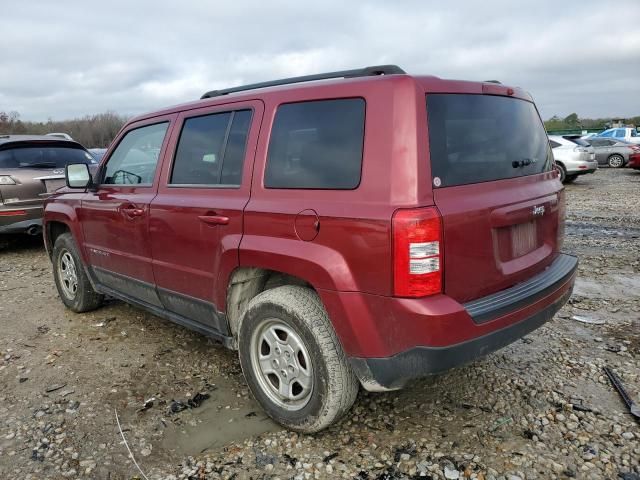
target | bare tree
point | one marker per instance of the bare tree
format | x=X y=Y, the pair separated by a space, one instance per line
x=92 y=131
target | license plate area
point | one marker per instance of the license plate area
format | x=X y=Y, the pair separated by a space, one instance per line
x=53 y=184
x=524 y=238
x=515 y=241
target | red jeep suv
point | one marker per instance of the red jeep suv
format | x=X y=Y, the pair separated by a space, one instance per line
x=363 y=227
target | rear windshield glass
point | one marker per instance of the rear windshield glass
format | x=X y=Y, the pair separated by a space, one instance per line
x=45 y=156
x=481 y=138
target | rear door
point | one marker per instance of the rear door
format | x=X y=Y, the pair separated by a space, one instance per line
x=494 y=184
x=196 y=218
x=115 y=216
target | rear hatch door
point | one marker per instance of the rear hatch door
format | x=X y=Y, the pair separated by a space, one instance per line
x=36 y=169
x=494 y=184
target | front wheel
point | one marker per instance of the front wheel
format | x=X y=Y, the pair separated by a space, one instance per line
x=615 y=161
x=292 y=359
x=72 y=282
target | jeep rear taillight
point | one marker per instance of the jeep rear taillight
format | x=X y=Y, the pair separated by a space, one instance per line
x=417 y=252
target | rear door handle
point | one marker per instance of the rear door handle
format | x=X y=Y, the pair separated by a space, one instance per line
x=214 y=219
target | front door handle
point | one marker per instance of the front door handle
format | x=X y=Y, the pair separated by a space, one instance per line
x=132 y=211
x=214 y=219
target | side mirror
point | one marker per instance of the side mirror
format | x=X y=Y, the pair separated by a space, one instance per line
x=77 y=175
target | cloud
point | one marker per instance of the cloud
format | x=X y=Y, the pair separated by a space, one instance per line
x=73 y=58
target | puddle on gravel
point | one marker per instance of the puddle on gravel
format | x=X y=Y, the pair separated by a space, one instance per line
x=213 y=425
x=613 y=286
x=598 y=230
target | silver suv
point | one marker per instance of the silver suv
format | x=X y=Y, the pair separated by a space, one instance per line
x=573 y=155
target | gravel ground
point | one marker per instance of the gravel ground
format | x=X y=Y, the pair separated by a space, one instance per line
x=538 y=409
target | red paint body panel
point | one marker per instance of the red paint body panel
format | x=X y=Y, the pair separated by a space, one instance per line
x=114 y=239
x=477 y=220
x=372 y=326
x=191 y=256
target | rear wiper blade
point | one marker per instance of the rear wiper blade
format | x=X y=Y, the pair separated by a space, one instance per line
x=522 y=163
x=40 y=165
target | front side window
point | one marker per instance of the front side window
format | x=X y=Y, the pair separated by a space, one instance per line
x=211 y=149
x=317 y=145
x=619 y=133
x=135 y=159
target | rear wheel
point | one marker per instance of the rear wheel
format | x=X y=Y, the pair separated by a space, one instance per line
x=562 y=171
x=72 y=282
x=615 y=161
x=292 y=359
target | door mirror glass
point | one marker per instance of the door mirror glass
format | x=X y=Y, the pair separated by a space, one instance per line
x=77 y=175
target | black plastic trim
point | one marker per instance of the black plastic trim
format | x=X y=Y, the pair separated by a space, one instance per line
x=194 y=314
x=394 y=372
x=358 y=72
x=21 y=226
x=227 y=341
x=500 y=303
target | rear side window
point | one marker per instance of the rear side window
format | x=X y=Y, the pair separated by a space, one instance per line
x=211 y=149
x=134 y=160
x=317 y=145
x=481 y=138
x=554 y=144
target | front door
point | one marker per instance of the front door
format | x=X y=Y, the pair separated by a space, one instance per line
x=196 y=218
x=115 y=217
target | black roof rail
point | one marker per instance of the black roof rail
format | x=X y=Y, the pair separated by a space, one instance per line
x=358 y=72
x=493 y=81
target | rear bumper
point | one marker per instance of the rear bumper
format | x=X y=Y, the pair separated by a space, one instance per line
x=32 y=217
x=582 y=168
x=458 y=337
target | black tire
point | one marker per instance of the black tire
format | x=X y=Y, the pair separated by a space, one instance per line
x=334 y=386
x=82 y=297
x=570 y=178
x=615 y=161
x=562 y=171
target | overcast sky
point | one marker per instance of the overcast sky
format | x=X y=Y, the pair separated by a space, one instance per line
x=72 y=58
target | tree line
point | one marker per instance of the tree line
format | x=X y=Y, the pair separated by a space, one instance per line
x=97 y=131
x=572 y=122
x=92 y=131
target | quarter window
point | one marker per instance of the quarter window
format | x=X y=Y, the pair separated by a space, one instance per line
x=135 y=159
x=211 y=149
x=317 y=145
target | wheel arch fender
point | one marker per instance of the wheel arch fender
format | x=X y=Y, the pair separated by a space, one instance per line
x=57 y=217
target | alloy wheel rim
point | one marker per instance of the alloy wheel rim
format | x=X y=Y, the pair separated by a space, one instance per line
x=68 y=274
x=282 y=365
x=615 y=161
